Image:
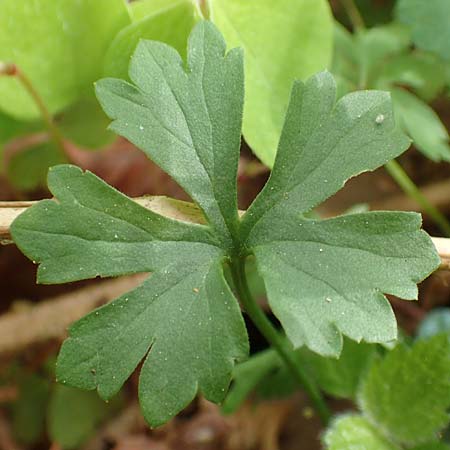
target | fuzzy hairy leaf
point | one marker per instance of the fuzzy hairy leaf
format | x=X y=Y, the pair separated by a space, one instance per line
x=353 y=432
x=407 y=394
x=283 y=41
x=184 y=320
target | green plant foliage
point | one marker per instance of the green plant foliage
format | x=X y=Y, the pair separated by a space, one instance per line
x=407 y=394
x=248 y=375
x=429 y=22
x=436 y=321
x=291 y=41
x=354 y=432
x=58 y=45
x=73 y=415
x=266 y=373
x=27 y=413
x=160 y=25
x=324 y=278
x=28 y=169
x=423 y=125
x=340 y=377
x=433 y=446
x=85 y=124
x=380 y=58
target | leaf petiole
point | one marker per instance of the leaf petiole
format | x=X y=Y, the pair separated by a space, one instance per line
x=276 y=340
x=13 y=70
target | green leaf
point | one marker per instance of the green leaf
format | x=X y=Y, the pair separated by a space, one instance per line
x=283 y=41
x=435 y=322
x=73 y=416
x=429 y=22
x=407 y=394
x=85 y=124
x=28 y=413
x=340 y=377
x=248 y=375
x=184 y=320
x=377 y=44
x=59 y=45
x=433 y=446
x=189 y=123
x=422 y=124
x=140 y=9
x=306 y=264
x=354 y=432
x=423 y=72
x=28 y=169
x=171 y=25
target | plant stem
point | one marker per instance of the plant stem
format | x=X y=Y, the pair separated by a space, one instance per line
x=401 y=177
x=13 y=70
x=353 y=14
x=277 y=341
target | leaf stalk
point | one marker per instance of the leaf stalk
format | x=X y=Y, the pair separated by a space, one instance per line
x=277 y=340
x=10 y=69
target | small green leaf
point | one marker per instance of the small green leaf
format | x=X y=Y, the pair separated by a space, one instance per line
x=283 y=41
x=340 y=377
x=28 y=413
x=85 y=124
x=189 y=123
x=430 y=24
x=171 y=25
x=60 y=47
x=422 y=124
x=407 y=394
x=73 y=416
x=353 y=432
x=423 y=72
x=28 y=169
x=248 y=375
x=435 y=322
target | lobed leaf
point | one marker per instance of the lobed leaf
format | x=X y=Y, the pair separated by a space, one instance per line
x=188 y=122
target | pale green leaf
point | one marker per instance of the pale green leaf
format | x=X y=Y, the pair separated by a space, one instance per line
x=407 y=394
x=171 y=25
x=430 y=24
x=422 y=124
x=354 y=432
x=283 y=41
x=140 y=9
x=189 y=123
x=59 y=45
